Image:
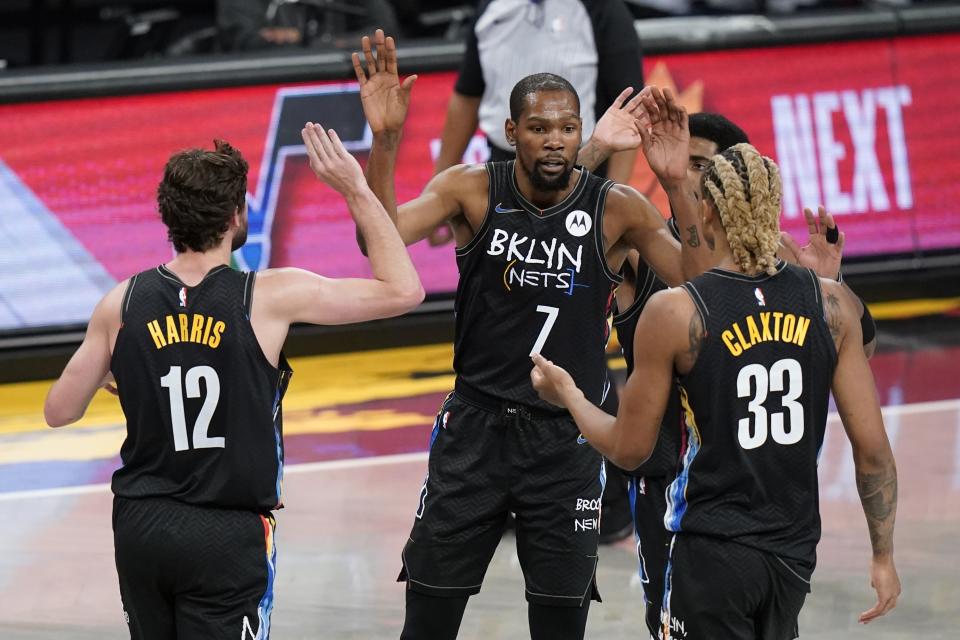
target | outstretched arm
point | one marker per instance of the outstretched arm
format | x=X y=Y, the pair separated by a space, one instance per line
x=89 y=368
x=876 y=470
x=295 y=295
x=385 y=101
x=662 y=339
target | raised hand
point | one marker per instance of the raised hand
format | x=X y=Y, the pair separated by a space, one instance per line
x=553 y=383
x=619 y=127
x=819 y=253
x=666 y=144
x=385 y=99
x=330 y=161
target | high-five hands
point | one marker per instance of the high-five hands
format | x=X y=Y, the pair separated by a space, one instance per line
x=385 y=99
x=330 y=160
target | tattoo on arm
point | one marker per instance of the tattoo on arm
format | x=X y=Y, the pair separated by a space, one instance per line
x=697 y=334
x=831 y=308
x=878 y=495
x=694 y=240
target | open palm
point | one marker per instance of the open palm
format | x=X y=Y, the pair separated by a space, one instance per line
x=666 y=143
x=385 y=99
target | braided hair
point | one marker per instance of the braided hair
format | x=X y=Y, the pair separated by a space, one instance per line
x=745 y=189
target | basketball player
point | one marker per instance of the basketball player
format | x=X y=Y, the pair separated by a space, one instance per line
x=195 y=349
x=540 y=242
x=709 y=133
x=757 y=344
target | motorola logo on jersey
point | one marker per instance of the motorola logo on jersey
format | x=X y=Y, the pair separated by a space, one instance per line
x=335 y=107
x=578 y=223
x=537 y=263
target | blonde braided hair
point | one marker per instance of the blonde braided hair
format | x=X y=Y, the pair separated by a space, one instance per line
x=745 y=188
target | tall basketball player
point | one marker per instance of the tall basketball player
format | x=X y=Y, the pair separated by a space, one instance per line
x=758 y=344
x=196 y=351
x=540 y=242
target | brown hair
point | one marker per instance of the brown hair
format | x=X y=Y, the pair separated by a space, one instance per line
x=745 y=189
x=199 y=193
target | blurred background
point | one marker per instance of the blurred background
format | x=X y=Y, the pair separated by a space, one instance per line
x=856 y=101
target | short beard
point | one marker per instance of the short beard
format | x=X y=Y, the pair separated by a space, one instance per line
x=239 y=238
x=542 y=183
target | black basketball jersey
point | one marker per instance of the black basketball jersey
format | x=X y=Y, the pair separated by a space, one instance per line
x=666 y=453
x=201 y=400
x=534 y=281
x=755 y=405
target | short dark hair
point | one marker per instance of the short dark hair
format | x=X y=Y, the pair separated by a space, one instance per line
x=534 y=84
x=717 y=129
x=199 y=193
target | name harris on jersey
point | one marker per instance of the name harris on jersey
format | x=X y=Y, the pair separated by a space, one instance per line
x=182 y=327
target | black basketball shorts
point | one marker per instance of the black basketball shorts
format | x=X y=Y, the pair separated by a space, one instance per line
x=722 y=589
x=191 y=572
x=488 y=459
x=648 y=502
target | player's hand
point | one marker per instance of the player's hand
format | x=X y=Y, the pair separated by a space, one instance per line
x=619 y=127
x=109 y=384
x=819 y=254
x=385 y=99
x=553 y=383
x=330 y=161
x=666 y=144
x=884 y=580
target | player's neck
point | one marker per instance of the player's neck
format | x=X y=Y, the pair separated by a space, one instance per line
x=724 y=255
x=543 y=199
x=192 y=266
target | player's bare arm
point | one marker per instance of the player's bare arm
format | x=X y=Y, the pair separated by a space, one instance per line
x=89 y=368
x=285 y=296
x=876 y=471
x=456 y=195
x=668 y=336
x=632 y=222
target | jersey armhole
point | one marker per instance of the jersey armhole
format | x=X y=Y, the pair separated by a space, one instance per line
x=817 y=294
x=249 y=281
x=598 y=231
x=482 y=229
x=127 y=296
x=698 y=302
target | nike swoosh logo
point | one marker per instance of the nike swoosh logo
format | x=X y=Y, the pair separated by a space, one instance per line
x=581 y=439
x=499 y=209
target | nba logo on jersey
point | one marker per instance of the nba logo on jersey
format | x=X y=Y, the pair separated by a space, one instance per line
x=578 y=223
x=760 y=299
x=183 y=296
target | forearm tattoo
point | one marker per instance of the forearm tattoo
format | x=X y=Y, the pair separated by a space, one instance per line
x=694 y=239
x=878 y=494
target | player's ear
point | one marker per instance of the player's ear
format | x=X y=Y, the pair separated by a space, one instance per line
x=510 y=129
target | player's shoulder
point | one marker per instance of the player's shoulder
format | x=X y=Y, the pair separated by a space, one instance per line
x=461 y=178
x=623 y=201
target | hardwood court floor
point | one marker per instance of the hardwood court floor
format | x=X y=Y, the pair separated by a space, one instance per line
x=357 y=428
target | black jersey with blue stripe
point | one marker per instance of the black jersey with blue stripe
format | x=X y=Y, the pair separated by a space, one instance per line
x=755 y=408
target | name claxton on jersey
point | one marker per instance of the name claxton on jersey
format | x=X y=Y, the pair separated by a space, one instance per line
x=533 y=262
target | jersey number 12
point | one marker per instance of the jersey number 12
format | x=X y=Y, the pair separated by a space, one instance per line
x=172 y=382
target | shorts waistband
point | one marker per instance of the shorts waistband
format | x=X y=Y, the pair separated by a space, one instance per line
x=493 y=404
